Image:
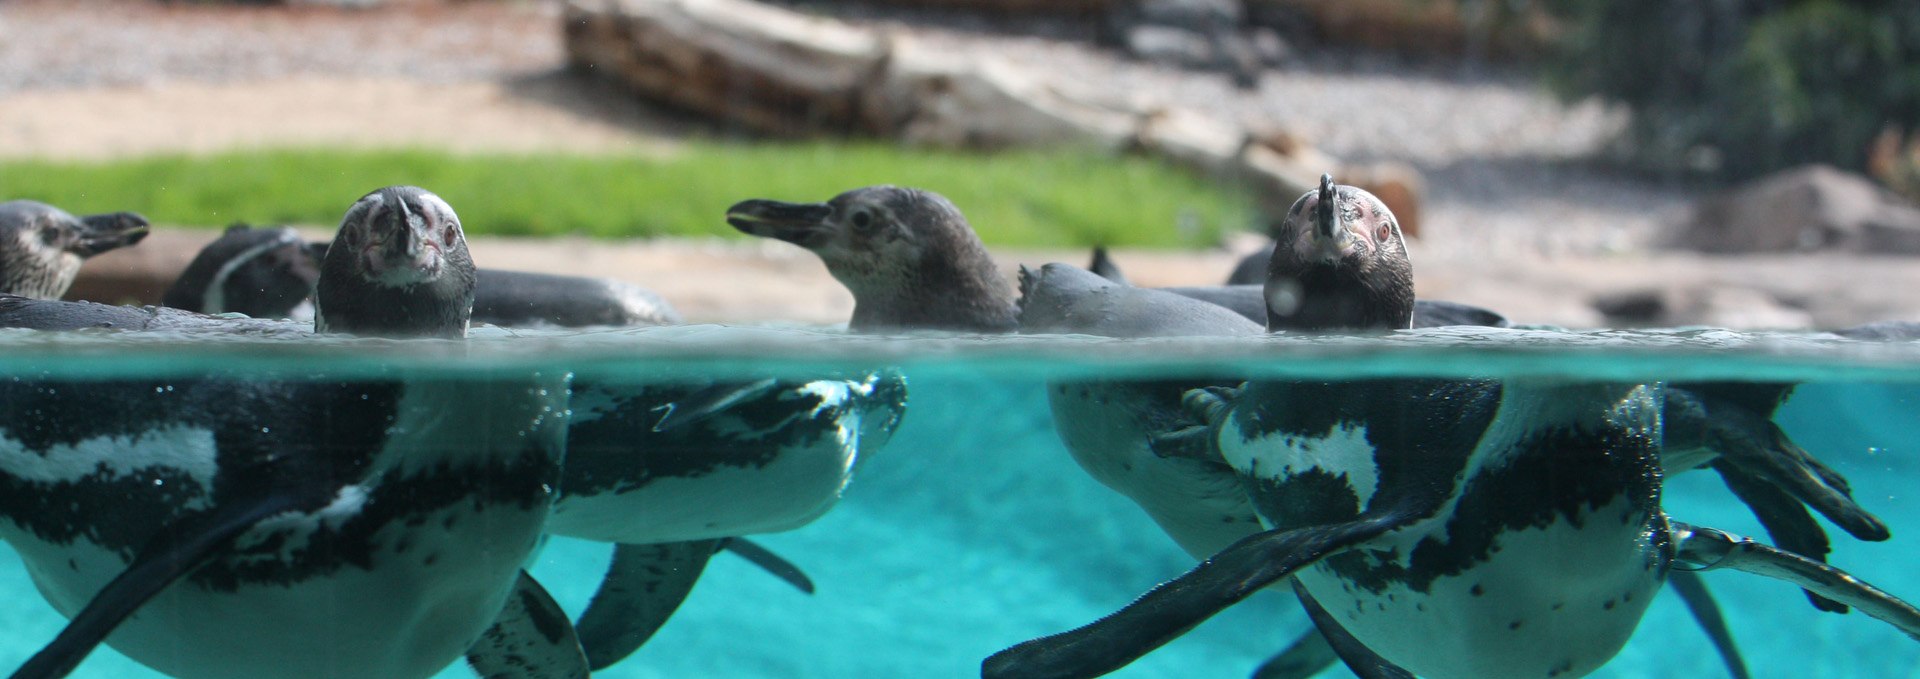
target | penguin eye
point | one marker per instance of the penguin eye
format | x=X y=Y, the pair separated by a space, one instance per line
x=449 y=235
x=1381 y=233
x=862 y=219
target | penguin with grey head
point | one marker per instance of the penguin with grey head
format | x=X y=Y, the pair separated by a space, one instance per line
x=908 y=256
x=42 y=247
x=1454 y=527
x=323 y=527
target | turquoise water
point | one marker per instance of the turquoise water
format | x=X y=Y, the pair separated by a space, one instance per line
x=973 y=530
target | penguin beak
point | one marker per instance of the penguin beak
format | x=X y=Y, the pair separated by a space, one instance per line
x=802 y=224
x=1331 y=237
x=409 y=252
x=101 y=233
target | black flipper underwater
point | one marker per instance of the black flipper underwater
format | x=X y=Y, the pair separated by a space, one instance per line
x=1362 y=660
x=645 y=584
x=530 y=639
x=166 y=558
x=1176 y=606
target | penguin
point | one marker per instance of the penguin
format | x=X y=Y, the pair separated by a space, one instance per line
x=665 y=489
x=908 y=256
x=1455 y=527
x=42 y=247
x=322 y=527
x=271 y=273
x=263 y=273
x=673 y=472
x=1250 y=300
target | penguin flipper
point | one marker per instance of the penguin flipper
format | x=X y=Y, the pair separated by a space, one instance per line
x=644 y=586
x=1693 y=590
x=706 y=401
x=530 y=639
x=1169 y=610
x=1309 y=655
x=1753 y=443
x=1365 y=663
x=177 y=551
x=772 y=563
x=1786 y=520
x=1700 y=548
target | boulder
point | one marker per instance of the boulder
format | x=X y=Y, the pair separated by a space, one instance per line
x=1810 y=208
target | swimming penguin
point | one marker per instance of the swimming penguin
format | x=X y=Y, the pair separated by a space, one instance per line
x=41 y=246
x=1104 y=425
x=270 y=273
x=1107 y=426
x=673 y=472
x=1453 y=527
x=1250 y=300
x=318 y=527
x=908 y=256
x=263 y=273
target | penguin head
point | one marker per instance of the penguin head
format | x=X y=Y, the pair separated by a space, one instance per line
x=399 y=237
x=892 y=243
x=41 y=246
x=398 y=267
x=1339 y=263
x=260 y=272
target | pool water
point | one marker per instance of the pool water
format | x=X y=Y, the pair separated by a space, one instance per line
x=973 y=529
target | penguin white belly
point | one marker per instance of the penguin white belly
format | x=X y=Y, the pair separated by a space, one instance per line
x=796 y=486
x=1202 y=507
x=1556 y=601
x=420 y=600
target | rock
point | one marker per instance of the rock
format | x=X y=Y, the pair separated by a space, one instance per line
x=928 y=96
x=1169 y=45
x=1815 y=207
x=770 y=69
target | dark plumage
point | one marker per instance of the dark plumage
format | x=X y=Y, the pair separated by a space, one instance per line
x=1340 y=263
x=263 y=273
x=398 y=268
x=41 y=246
x=908 y=256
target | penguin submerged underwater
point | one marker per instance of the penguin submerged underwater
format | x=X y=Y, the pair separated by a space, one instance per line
x=1449 y=528
x=317 y=527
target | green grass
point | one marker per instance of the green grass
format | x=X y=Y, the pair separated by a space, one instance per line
x=1023 y=198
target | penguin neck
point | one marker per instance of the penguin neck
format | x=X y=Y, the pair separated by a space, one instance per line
x=347 y=302
x=960 y=294
x=1339 y=298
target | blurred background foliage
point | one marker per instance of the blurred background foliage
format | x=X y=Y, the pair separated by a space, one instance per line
x=1740 y=88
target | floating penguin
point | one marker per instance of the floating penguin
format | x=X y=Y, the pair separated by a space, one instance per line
x=1250 y=300
x=42 y=247
x=372 y=527
x=1453 y=527
x=659 y=468
x=671 y=473
x=908 y=256
x=271 y=273
x=263 y=273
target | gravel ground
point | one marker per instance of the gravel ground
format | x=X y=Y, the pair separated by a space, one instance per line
x=1517 y=214
x=1501 y=158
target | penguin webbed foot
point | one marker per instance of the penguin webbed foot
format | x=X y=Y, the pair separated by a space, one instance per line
x=774 y=564
x=1365 y=663
x=530 y=639
x=1746 y=441
x=1785 y=519
x=1309 y=655
x=1700 y=548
